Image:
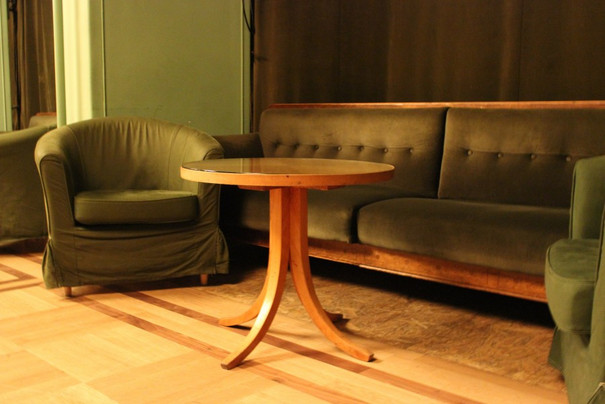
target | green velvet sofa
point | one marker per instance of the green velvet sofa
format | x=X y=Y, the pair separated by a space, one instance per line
x=479 y=193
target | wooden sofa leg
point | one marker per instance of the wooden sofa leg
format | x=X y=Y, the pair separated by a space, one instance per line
x=204 y=279
x=67 y=291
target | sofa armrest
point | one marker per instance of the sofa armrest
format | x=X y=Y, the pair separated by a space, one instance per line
x=240 y=146
x=587 y=198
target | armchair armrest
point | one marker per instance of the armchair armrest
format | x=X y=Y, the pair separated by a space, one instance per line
x=587 y=198
x=197 y=146
x=59 y=167
x=240 y=146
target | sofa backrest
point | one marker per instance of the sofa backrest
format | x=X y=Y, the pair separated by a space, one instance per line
x=517 y=155
x=411 y=139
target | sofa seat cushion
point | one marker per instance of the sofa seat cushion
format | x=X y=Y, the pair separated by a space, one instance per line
x=104 y=207
x=332 y=214
x=508 y=237
x=571 y=272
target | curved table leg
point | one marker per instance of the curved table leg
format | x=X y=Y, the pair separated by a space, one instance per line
x=252 y=311
x=301 y=275
x=279 y=242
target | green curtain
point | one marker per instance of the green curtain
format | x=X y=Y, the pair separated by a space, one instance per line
x=32 y=59
x=427 y=50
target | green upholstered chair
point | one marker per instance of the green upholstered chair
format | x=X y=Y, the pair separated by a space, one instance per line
x=575 y=288
x=22 y=217
x=118 y=210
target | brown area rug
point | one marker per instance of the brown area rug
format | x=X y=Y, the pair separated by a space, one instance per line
x=506 y=336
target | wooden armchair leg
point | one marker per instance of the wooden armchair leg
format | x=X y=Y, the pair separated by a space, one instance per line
x=204 y=279
x=67 y=291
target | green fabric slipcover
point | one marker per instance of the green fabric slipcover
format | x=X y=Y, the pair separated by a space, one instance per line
x=127 y=160
x=576 y=289
x=22 y=214
x=511 y=237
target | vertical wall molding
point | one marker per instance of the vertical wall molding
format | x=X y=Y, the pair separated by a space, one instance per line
x=245 y=69
x=6 y=118
x=59 y=61
x=80 y=66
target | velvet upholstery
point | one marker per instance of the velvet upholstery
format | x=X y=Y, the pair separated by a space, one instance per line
x=332 y=214
x=22 y=215
x=130 y=162
x=571 y=272
x=510 y=237
x=503 y=193
x=411 y=140
x=575 y=289
x=517 y=156
x=484 y=187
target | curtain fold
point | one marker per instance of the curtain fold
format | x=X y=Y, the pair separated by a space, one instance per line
x=427 y=50
x=32 y=59
x=563 y=50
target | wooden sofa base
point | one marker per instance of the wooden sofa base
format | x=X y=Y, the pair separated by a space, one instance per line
x=516 y=284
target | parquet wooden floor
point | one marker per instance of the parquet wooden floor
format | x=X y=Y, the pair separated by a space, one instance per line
x=112 y=345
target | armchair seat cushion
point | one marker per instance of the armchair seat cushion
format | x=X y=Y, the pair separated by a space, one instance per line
x=571 y=272
x=106 y=207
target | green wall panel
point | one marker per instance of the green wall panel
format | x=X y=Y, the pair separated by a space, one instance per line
x=179 y=60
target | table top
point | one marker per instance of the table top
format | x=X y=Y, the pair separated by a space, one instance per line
x=286 y=172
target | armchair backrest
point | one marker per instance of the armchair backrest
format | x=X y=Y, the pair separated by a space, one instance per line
x=587 y=198
x=587 y=221
x=130 y=153
x=597 y=324
x=118 y=154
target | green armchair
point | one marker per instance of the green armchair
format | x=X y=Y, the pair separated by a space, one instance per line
x=22 y=217
x=575 y=288
x=117 y=208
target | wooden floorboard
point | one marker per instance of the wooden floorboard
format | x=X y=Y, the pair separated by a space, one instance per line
x=115 y=345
